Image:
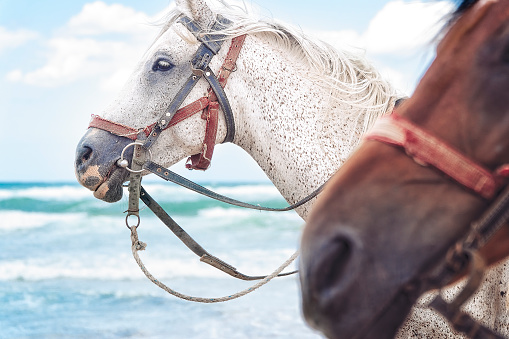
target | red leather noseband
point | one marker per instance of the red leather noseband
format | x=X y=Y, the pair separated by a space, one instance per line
x=208 y=104
x=426 y=150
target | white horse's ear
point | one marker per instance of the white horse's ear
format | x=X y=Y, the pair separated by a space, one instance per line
x=198 y=10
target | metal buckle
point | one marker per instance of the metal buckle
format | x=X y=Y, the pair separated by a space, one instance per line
x=196 y=71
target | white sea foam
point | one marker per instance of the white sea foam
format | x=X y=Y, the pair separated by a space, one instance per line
x=35 y=270
x=16 y=220
x=262 y=261
x=123 y=267
x=101 y=268
x=221 y=213
x=65 y=192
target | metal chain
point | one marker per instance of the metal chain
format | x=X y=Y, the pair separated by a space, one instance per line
x=138 y=245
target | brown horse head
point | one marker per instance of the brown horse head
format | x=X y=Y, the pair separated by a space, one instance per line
x=384 y=222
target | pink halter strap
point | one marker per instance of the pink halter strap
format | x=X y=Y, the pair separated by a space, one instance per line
x=426 y=150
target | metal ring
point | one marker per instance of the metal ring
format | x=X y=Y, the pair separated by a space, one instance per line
x=127 y=221
x=122 y=156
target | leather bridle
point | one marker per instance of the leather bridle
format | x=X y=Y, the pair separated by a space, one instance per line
x=209 y=105
x=428 y=150
x=145 y=137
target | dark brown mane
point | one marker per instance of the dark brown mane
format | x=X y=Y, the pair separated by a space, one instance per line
x=463 y=6
x=450 y=19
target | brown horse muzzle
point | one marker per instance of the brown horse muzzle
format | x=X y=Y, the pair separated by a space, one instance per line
x=329 y=271
x=338 y=274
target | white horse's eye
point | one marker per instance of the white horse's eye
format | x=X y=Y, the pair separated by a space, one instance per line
x=162 y=65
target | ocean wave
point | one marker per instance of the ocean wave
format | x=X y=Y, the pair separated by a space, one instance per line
x=17 y=220
x=74 y=198
x=221 y=213
x=64 y=192
x=101 y=269
x=226 y=213
x=124 y=268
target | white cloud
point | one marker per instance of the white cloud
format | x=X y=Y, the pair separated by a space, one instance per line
x=98 y=18
x=401 y=27
x=85 y=47
x=401 y=31
x=12 y=39
x=74 y=58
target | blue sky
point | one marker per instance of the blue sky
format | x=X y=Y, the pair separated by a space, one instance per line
x=51 y=81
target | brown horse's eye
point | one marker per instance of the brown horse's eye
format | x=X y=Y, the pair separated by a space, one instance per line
x=162 y=65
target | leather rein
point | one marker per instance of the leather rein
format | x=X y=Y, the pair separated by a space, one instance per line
x=427 y=150
x=144 y=138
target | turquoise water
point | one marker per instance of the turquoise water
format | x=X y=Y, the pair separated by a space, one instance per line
x=66 y=269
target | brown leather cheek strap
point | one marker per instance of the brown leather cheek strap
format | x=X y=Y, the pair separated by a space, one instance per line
x=202 y=161
x=208 y=104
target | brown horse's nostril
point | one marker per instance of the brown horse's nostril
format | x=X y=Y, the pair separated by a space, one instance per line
x=333 y=269
x=331 y=266
x=328 y=273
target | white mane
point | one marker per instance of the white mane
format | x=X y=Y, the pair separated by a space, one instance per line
x=349 y=78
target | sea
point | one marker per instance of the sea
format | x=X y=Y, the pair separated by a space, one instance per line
x=67 y=271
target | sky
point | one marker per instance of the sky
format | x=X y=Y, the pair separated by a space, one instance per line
x=61 y=61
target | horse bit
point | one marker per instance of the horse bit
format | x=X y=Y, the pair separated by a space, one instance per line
x=144 y=138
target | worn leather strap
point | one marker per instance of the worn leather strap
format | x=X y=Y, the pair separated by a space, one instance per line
x=192 y=244
x=135 y=186
x=217 y=94
x=426 y=150
x=202 y=160
x=217 y=97
x=463 y=322
x=172 y=109
x=210 y=39
x=116 y=128
x=229 y=66
x=460 y=320
x=132 y=133
x=171 y=176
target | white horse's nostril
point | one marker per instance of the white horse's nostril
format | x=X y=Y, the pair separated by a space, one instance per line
x=84 y=154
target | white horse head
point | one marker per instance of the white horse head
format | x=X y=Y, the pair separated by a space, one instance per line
x=299 y=105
